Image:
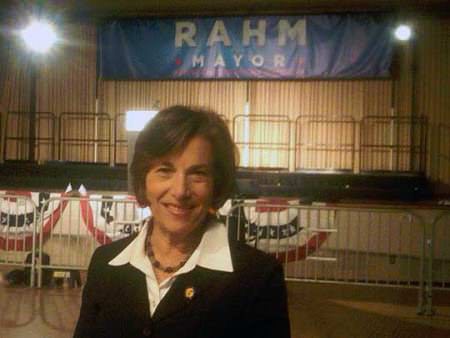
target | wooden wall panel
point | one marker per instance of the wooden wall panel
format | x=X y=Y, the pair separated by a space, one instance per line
x=226 y=97
x=15 y=98
x=16 y=85
x=433 y=86
x=67 y=79
x=356 y=98
x=403 y=79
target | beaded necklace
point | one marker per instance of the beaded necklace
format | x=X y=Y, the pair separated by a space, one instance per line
x=157 y=264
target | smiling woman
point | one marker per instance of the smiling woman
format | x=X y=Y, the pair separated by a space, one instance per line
x=179 y=190
x=181 y=276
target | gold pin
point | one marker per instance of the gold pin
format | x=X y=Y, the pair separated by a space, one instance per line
x=189 y=293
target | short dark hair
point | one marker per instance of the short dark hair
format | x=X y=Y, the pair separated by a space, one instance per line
x=170 y=130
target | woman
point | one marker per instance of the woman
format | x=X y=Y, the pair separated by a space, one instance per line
x=181 y=276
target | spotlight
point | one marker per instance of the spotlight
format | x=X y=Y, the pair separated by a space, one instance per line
x=137 y=119
x=39 y=36
x=403 y=32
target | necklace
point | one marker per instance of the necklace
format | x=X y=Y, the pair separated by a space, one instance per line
x=157 y=264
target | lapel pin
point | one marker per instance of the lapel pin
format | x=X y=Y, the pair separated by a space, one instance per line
x=189 y=293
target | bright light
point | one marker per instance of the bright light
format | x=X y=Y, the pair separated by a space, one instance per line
x=39 y=36
x=403 y=32
x=136 y=120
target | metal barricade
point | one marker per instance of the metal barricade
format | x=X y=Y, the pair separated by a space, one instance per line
x=18 y=220
x=349 y=245
x=325 y=142
x=85 y=137
x=78 y=225
x=383 y=246
x=393 y=143
x=17 y=136
x=263 y=140
x=120 y=140
x=437 y=269
x=364 y=246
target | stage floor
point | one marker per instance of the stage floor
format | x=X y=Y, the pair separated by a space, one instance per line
x=316 y=311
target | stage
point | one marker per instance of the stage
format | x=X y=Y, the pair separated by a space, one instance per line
x=309 y=186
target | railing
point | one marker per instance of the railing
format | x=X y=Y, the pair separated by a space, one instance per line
x=16 y=146
x=68 y=229
x=319 y=142
x=263 y=140
x=353 y=245
x=18 y=232
x=369 y=246
x=439 y=255
x=85 y=224
x=349 y=245
x=325 y=142
x=85 y=137
x=120 y=140
x=393 y=143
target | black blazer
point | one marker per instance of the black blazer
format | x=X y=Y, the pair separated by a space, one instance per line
x=248 y=302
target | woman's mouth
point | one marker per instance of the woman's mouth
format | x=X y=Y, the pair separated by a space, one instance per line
x=178 y=210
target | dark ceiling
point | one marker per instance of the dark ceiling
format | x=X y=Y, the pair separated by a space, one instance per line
x=95 y=9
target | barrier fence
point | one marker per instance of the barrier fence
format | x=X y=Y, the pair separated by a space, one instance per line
x=18 y=216
x=353 y=245
x=325 y=142
x=85 y=137
x=67 y=229
x=263 y=140
x=393 y=143
x=308 y=142
x=17 y=136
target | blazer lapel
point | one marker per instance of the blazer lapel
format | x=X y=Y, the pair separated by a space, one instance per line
x=134 y=296
x=187 y=290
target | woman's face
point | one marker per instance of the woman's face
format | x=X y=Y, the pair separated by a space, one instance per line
x=179 y=188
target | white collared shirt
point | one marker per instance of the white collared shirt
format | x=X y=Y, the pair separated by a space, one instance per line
x=213 y=253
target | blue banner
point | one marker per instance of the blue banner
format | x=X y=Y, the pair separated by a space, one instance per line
x=260 y=47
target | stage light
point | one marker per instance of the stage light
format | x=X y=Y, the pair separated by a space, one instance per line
x=403 y=33
x=136 y=120
x=39 y=36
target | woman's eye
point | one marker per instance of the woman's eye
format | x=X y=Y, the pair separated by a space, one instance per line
x=163 y=170
x=200 y=175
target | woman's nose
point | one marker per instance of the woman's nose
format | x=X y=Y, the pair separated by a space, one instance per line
x=181 y=187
